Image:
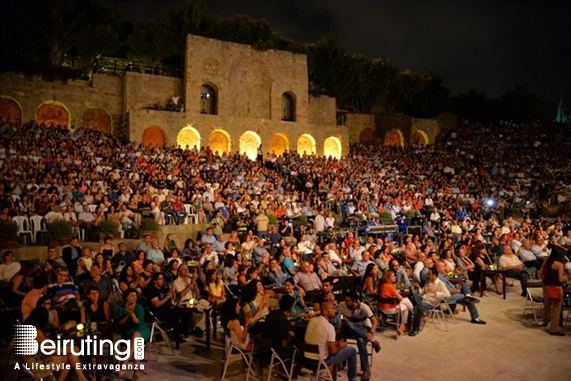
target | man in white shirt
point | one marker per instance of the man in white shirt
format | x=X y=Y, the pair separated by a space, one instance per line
x=427 y=298
x=320 y=332
x=356 y=252
x=515 y=268
x=526 y=255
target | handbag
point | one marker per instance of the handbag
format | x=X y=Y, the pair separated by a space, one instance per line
x=554 y=293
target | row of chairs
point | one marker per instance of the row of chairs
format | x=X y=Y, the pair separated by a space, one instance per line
x=262 y=353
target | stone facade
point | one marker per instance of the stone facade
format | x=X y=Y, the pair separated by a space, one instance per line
x=236 y=98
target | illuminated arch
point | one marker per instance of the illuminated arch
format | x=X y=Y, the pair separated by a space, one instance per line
x=219 y=141
x=279 y=143
x=306 y=144
x=332 y=147
x=153 y=136
x=419 y=137
x=249 y=143
x=97 y=119
x=190 y=137
x=53 y=113
x=10 y=110
x=367 y=135
x=394 y=138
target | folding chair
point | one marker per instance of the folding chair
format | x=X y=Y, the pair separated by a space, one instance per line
x=532 y=303
x=318 y=367
x=274 y=362
x=156 y=329
x=394 y=319
x=233 y=349
x=436 y=312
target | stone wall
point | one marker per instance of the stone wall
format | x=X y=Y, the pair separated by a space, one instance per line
x=143 y=90
x=104 y=92
x=356 y=123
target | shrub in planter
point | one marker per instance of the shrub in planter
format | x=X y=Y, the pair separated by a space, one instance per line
x=108 y=228
x=148 y=226
x=8 y=234
x=60 y=231
x=385 y=217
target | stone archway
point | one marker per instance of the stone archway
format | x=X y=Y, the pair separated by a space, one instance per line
x=394 y=138
x=306 y=145
x=10 y=110
x=153 y=136
x=332 y=147
x=419 y=137
x=53 y=113
x=279 y=143
x=367 y=135
x=219 y=142
x=249 y=143
x=190 y=137
x=97 y=119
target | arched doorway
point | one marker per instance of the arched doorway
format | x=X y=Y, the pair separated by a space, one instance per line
x=367 y=135
x=97 y=119
x=306 y=145
x=190 y=137
x=279 y=143
x=53 y=113
x=219 y=142
x=288 y=107
x=208 y=99
x=153 y=136
x=249 y=143
x=394 y=138
x=10 y=110
x=419 y=138
x=332 y=147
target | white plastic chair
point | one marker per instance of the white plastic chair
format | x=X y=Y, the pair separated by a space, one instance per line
x=38 y=226
x=191 y=217
x=24 y=227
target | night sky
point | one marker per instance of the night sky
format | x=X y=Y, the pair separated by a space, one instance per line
x=489 y=45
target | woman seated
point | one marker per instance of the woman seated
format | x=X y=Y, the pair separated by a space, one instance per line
x=39 y=318
x=390 y=300
x=104 y=265
x=20 y=284
x=250 y=314
x=138 y=262
x=128 y=278
x=171 y=271
x=53 y=316
x=131 y=319
x=290 y=289
x=215 y=288
x=189 y=251
x=94 y=309
x=448 y=258
x=369 y=285
x=232 y=326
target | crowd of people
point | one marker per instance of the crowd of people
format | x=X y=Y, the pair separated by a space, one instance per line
x=462 y=191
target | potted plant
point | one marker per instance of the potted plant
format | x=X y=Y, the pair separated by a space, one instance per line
x=148 y=226
x=108 y=228
x=300 y=220
x=272 y=219
x=409 y=214
x=385 y=217
x=8 y=234
x=60 y=232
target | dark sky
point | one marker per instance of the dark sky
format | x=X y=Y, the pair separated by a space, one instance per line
x=489 y=45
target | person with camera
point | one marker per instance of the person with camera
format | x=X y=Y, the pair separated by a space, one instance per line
x=186 y=288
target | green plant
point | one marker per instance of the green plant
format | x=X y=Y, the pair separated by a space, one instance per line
x=409 y=214
x=108 y=227
x=300 y=220
x=8 y=230
x=59 y=228
x=272 y=219
x=385 y=216
x=149 y=225
x=231 y=224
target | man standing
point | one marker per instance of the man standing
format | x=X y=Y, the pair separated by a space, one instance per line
x=361 y=323
x=321 y=333
x=262 y=223
x=71 y=255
